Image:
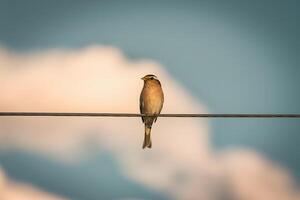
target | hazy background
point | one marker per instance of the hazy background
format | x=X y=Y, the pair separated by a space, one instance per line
x=226 y=56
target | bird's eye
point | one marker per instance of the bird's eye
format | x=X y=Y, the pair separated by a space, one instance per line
x=151 y=78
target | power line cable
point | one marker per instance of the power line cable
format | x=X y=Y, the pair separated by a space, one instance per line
x=96 y=114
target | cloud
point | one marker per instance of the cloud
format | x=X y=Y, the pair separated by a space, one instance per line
x=12 y=190
x=101 y=79
x=253 y=177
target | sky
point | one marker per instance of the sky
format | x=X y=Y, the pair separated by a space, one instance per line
x=211 y=56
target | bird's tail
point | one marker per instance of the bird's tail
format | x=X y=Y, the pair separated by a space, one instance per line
x=147 y=139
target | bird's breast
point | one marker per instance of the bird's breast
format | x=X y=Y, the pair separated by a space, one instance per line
x=153 y=99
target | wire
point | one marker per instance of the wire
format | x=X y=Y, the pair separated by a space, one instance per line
x=93 y=114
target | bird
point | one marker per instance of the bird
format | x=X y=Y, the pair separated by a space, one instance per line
x=151 y=103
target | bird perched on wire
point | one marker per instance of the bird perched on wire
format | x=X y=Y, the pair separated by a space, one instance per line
x=151 y=103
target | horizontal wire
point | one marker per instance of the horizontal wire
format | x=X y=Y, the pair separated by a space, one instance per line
x=94 y=114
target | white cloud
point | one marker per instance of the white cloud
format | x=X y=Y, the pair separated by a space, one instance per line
x=12 y=190
x=254 y=177
x=101 y=79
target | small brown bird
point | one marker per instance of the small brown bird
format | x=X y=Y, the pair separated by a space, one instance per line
x=151 y=103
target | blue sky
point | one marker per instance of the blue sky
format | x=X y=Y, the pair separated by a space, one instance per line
x=233 y=56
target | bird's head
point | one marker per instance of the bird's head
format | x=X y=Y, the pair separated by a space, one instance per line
x=149 y=77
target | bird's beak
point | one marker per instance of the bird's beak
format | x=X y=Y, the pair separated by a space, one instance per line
x=143 y=78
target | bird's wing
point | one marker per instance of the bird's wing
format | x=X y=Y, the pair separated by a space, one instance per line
x=142 y=108
x=158 y=114
x=161 y=103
